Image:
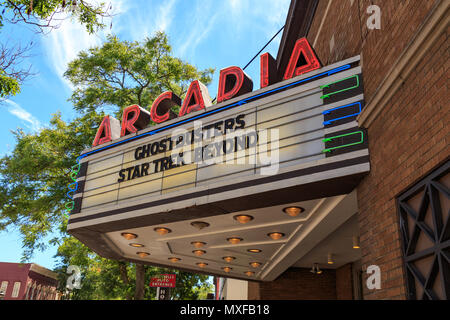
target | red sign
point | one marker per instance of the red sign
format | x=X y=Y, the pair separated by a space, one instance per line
x=164 y=280
x=233 y=82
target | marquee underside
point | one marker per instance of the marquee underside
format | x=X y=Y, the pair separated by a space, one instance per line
x=323 y=155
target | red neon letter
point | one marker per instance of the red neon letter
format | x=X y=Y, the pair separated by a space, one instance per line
x=268 y=70
x=197 y=98
x=109 y=130
x=298 y=66
x=134 y=118
x=161 y=107
x=233 y=82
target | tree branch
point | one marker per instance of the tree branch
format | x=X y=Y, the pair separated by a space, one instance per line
x=28 y=15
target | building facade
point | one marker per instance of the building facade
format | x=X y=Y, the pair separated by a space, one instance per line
x=27 y=281
x=403 y=203
x=358 y=206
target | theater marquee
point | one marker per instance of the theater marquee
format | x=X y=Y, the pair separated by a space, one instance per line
x=170 y=194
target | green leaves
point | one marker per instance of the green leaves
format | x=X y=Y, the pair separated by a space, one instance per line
x=122 y=73
x=47 y=14
x=108 y=279
x=43 y=15
x=9 y=86
x=35 y=176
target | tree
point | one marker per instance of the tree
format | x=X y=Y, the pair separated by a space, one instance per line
x=107 y=279
x=12 y=72
x=43 y=16
x=122 y=73
x=34 y=177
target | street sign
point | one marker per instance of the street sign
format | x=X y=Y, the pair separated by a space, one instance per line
x=163 y=293
x=164 y=281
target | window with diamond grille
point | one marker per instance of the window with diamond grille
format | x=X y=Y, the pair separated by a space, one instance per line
x=425 y=227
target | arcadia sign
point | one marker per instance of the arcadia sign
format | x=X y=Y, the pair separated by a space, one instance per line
x=233 y=82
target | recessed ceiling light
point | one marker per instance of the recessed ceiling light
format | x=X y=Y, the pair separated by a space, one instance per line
x=276 y=235
x=142 y=254
x=128 y=235
x=234 y=240
x=202 y=264
x=173 y=259
x=228 y=259
x=255 y=264
x=330 y=259
x=293 y=211
x=227 y=269
x=198 y=244
x=254 y=250
x=162 y=231
x=249 y=273
x=137 y=245
x=356 y=242
x=199 y=224
x=199 y=252
x=242 y=218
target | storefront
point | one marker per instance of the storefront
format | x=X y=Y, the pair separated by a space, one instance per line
x=293 y=190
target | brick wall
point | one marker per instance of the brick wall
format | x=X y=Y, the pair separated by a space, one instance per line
x=336 y=35
x=410 y=138
x=405 y=144
x=296 y=284
x=344 y=283
x=400 y=21
x=14 y=272
x=301 y=284
x=253 y=291
x=344 y=34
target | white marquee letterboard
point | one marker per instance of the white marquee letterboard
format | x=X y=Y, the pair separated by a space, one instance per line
x=318 y=140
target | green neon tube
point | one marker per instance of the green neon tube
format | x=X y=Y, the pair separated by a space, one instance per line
x=336 y=92
x=345 y=145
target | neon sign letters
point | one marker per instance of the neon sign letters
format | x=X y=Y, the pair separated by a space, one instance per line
x=233 y=82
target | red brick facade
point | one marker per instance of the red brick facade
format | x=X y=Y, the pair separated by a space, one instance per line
x=301 y=284
x=296 y=284
x=344 y=25
x=344 y=282
x=36 y=282
x=407 y=140
x=411 y=140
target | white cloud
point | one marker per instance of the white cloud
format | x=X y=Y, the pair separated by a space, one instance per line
x=63 y=45
x=202 y=20
x=165 y=15
x=194 y=38
x=136 y=20
x=236 y=5
x=144 y=18
x=29 y=120
x=244 y=13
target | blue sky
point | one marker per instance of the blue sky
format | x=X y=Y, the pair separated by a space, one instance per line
x=206 y=33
